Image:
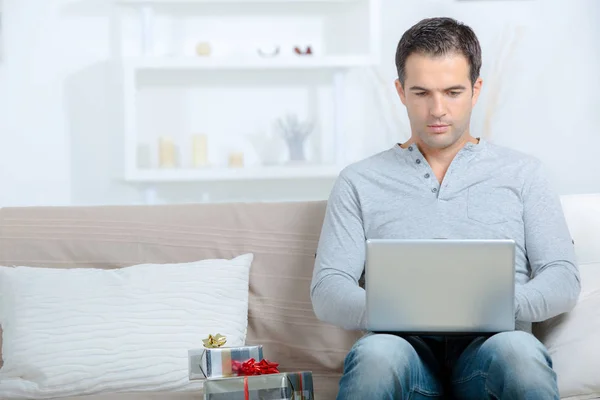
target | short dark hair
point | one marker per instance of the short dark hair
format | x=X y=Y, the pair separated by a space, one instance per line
x=438 y=37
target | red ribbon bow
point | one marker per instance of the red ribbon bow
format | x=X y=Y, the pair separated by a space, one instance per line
x=251 y=367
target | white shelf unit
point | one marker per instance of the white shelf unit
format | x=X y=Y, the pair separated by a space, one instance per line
x=192 y=63
x=155 y=2
x=235 y=174
x=144 y=58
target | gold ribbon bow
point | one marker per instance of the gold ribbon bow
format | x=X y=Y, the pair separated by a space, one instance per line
x=214 y=341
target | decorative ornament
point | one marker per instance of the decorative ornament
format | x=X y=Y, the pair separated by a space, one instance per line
x=214 y=341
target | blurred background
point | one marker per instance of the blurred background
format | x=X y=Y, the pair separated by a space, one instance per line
x=151 y=102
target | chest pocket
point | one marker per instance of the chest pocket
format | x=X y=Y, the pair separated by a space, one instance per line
x=490 y=205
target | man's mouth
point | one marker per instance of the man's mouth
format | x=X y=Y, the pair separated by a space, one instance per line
x=438 y=128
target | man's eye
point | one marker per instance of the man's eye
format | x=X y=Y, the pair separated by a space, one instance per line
x=420 y=94
x=454 y=93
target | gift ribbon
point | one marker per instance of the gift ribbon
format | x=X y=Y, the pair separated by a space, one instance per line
x=236 y=368
x=301 y=389
x=251 y=367
x=214 y=341
x=246 y=389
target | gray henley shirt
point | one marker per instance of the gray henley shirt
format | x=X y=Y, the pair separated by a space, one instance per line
x=488 y=192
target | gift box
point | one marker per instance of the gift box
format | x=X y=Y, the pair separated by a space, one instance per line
x=220 y=362
x=281 y=386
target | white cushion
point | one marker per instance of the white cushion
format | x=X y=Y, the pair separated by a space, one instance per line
x=71 y=332
x=573 y=342
x=583 y=217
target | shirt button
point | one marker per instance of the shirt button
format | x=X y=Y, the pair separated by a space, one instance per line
x=427 y=176
x=418 y=161
x=434 y=190
x=410 y=148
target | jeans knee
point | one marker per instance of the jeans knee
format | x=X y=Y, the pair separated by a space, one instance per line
x=517 y=349
x=519 y=362
x=382 y=352
x=380 y=366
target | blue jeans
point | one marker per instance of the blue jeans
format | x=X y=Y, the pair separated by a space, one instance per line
x=508 y=365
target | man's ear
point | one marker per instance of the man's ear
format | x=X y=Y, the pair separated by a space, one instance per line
x=400 y=91
x=476 y=90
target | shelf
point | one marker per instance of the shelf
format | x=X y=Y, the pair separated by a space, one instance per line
x=306 y=62
x=158 y=62
x=153 y=2
x=233 y=174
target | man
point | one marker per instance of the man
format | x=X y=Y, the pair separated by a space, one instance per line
x=443 y=182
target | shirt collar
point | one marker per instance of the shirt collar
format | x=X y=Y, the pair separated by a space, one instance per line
x=469 y=146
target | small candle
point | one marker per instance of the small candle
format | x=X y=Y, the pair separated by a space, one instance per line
x=166 y=154
x=199 y=150
x=236 y=160
x=203 y=49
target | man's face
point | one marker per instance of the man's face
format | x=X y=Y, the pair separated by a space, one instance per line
x=439 y=98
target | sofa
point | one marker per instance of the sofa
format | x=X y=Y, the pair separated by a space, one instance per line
x=283 y=238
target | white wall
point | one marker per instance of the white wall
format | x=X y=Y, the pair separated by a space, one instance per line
x=44 y=44
x=60 y=116
x=33 y=163
x=548 y=103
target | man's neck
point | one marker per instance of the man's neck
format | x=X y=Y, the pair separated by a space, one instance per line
x=440 y=156
x=440 y=159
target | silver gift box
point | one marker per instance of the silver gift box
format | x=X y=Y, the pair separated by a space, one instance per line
x=284 y=386
x=217 y=362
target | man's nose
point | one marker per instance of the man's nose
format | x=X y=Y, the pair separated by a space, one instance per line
x=437 y=108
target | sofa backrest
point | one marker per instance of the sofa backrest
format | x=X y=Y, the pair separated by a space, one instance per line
x=282 y=236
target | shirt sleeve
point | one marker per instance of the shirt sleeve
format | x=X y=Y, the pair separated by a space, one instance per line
x=555 y=285
x=336 y=295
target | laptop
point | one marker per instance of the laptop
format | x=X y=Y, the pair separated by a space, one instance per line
x=440 y=286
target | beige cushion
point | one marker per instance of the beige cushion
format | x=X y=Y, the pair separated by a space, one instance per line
x=572 y=340
x=283 y=238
